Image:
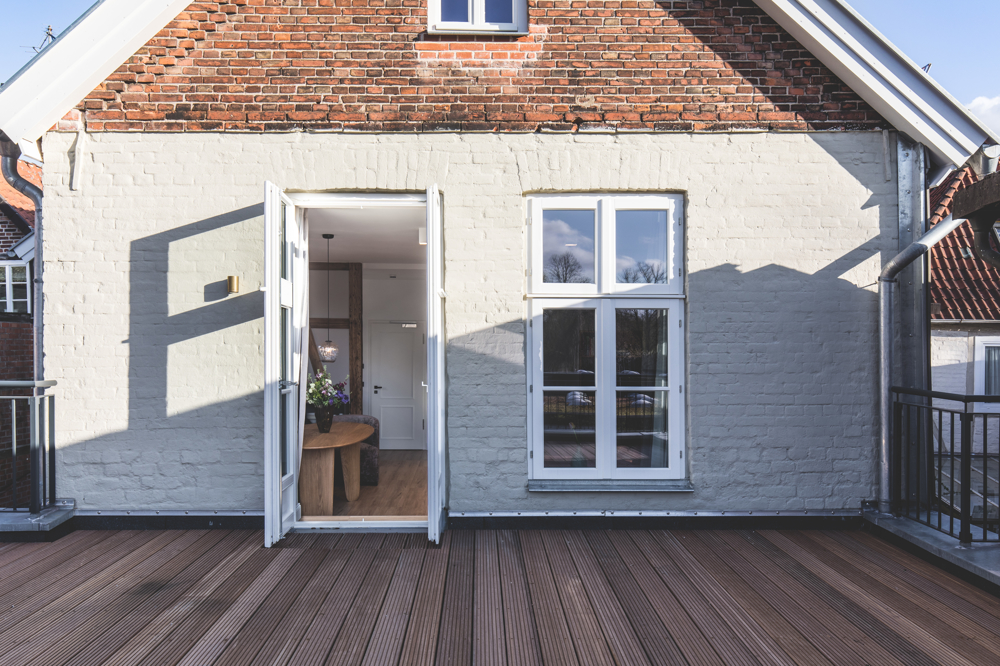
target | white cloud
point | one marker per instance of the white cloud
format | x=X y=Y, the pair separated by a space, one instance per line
x=987 y=109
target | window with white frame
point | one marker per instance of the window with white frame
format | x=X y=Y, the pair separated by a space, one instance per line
x=482 y=16
x=986 y=370
x=15 y=287
x=607 y=337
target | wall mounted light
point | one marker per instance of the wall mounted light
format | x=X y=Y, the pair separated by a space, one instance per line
x=233 y=283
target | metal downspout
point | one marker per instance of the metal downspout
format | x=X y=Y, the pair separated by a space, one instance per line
x=886 y=289
x=8 y=167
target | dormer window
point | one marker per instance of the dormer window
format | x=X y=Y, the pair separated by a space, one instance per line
x=478 y=16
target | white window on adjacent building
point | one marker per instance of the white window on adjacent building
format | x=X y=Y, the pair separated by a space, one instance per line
x=986 y=370
x=478 y=16
x=607 y=337
x=15 y=287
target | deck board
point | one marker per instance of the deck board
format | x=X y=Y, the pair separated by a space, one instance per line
x=702 y=598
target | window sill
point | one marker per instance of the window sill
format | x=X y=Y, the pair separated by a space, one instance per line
x=477 y=32
x=610 y=486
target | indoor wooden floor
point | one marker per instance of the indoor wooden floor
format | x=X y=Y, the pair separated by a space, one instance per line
x=488 y=597
x=401 y=491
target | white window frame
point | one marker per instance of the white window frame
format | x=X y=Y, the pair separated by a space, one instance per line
x=605 y=297
x=979 y=371
x=477 y=20
x=605 y=250
x=6 y=273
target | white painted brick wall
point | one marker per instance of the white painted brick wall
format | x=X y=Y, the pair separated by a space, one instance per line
x=160 y=386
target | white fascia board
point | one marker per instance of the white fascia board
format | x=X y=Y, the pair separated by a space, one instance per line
x=83 y=56
x=883 y=76
x=25 y=248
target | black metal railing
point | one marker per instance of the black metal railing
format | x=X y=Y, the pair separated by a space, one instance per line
x=945 y=462
x=27 y=436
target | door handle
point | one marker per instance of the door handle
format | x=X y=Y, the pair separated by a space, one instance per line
x=378 y=387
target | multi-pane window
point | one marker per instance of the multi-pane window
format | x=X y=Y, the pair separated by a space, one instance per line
x=986 y=369
x=484 y=16
x=15 y=288
x=607 y=337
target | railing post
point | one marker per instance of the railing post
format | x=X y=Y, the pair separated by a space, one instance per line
x=965 y=535
x=52 y=449
x=896 y=458
x=37 y=498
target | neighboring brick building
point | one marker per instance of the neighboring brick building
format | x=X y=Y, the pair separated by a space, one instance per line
x=721 y=181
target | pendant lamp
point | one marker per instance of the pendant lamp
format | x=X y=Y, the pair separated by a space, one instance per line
x=328 y=350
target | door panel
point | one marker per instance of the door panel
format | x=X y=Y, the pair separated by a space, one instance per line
x=437 y=494
x=397 y=397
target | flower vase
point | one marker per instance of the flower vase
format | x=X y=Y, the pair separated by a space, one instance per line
x=324 y=418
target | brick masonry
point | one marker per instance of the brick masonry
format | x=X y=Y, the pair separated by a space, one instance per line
x=276 y=65
x=161 y=387
x=15 y=364
x=10 y=233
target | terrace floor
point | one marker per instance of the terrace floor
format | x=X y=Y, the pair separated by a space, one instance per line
x=487 y=597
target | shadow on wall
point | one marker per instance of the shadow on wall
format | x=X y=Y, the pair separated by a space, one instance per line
x=187 y=348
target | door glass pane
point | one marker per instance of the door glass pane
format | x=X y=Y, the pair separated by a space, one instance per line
x=568 y=246
x=283 y=222
x=641 y=246
x=283 y=398
x=641 y=347
x=568 y=347
x=499 y=11
x=569 y=425
x=641 y=421
x=455 y=10
x=993 y=371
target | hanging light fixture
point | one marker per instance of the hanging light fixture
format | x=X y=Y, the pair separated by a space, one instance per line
x=328 y=350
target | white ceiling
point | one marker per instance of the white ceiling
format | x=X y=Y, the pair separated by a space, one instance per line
x=367 y=235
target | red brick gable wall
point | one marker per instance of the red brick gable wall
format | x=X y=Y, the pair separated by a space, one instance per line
x=9 y=233
x=681 y=65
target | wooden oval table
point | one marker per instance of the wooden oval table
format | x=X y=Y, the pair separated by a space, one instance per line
x=318 y=463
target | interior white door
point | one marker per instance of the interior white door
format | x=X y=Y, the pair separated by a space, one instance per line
x=283 y=268
x=397 y=378
x=437 y=495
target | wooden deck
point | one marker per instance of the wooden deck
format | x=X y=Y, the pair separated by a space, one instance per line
x=489 y=597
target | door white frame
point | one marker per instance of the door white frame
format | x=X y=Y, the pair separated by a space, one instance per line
x=435 y=375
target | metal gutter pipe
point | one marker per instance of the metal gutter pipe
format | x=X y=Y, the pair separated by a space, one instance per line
x=9 y=155
x=886 y=289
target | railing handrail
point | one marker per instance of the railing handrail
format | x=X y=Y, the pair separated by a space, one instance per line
x=48 y=383
x=941 y=395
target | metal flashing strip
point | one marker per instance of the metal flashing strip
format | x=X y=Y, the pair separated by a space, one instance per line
x=165 y=514
x=976 y=322
x=805 y=513
x=610 y=486
x=360 y=525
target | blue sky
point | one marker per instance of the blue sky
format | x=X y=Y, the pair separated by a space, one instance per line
x=957 y=36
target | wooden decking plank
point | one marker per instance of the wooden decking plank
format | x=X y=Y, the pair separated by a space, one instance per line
x=902 y=626
x=327 y=541
x=654 y=637
x=987 y=620
x=11 y=552
x=352 y=640
x=351 y=540
x=416 y=540
x=618 y=632
x=31 y=569
x=204 y=614
x=17 y=559
x=554 y=639
x=319 y=637
x=299 y=540
x=455 y=629
x=519 y=624
x=372 y=540
x=827 y=605
x=216 y=639
x=395 y=541
x=488 y=644
x=82 y=626
x=584 y=627
x=64 y=589
x=718 y=633
x=692 y=643
x=936 y=619
x=252 y=636
x=390 y=627
x=753 y=635
x=284 y=639
x=785 y=635
x=420 y=644
x=972 y=594
x=797 y=614
x=136 y=648
x=119 y=632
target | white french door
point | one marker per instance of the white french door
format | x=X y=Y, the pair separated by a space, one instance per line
x=284 y=283
x=436 y=478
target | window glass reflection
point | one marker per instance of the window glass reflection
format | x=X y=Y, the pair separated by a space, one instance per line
x=455 y=10
x=641 y=246
x=568 y=347
x=641 y=347
x=568 y=246
x=641 y=421
x=569 y=428
x=499 y=11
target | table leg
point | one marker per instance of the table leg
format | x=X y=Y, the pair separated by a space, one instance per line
x=350 y=458
x=316 y=482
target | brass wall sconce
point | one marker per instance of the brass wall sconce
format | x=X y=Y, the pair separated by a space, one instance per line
x=233 y=282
